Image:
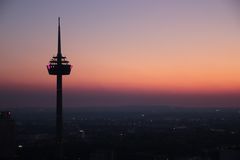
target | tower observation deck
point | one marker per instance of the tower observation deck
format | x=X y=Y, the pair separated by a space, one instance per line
x=59 y=66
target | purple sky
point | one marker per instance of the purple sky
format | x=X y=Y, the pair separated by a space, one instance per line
x=125 y=52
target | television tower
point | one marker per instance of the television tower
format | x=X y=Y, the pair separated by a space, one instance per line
x=59 y=66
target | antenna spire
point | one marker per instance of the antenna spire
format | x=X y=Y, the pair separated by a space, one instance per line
x=59 y=37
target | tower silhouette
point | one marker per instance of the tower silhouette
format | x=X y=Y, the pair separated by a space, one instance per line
x=59 y=66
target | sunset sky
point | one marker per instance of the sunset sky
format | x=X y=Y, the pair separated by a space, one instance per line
x=123 y=52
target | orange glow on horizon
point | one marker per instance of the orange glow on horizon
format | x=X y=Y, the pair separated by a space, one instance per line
x=142 y=51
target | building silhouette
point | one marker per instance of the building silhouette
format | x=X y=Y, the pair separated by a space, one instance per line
x=59 y=66
x=7 y=136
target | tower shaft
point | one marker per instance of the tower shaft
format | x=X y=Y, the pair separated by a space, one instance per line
x=59 y=119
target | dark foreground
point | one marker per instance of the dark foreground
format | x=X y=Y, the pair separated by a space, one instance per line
x=136 y=133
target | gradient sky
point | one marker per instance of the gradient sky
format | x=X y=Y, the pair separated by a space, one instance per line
x=124 y=52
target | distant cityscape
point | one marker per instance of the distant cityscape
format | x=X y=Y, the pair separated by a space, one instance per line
x=125 y=133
